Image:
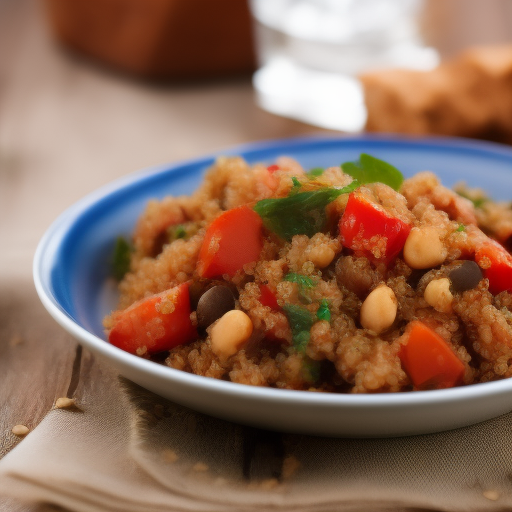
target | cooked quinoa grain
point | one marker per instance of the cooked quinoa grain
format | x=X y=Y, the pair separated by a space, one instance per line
x=327 y=282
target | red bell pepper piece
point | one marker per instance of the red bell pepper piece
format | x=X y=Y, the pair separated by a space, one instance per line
x=268 y=298
x=232 y=240
x=159 y=323
x=429 y=360
x=369 y=230
x=268 y=179
x=496 y=263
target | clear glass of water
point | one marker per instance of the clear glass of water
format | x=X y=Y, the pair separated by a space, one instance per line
x=311 y=51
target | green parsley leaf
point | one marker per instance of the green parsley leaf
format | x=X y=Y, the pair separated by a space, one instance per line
x=324 y=312
x=304 y=283
x=121 y=258
x=299 y=214
x=301 y=321
x=180 y=231
x=311 y=370
x=302 y=280
x=299 y=318
x=315 y=172
x=296 y=186
x=371 y=170
x=461 y=228
x=300 y=341
x=478 y=202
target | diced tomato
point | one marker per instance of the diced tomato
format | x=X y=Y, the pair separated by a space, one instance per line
x=232 y=240
x=268 y=298
x=369 y=230
x=429 y=360
x=496 y=263
x=158 y=323
x=269 y=180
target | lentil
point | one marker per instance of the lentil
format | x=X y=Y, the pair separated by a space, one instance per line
x=213 y=304
x=466 y=276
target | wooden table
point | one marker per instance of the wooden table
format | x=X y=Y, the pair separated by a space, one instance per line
x=66 y=128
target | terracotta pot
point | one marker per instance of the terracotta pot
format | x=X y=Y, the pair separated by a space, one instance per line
x=158 y=38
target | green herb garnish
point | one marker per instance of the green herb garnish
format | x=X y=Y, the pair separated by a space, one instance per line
x=299 y=214
x=478 y=202
x=461 y=228
x=300 y=340
x=179 y=232
x=296 y=186
x=301 y=320
x=324 y=312
x=311 y=370
x=315 y=173
x=304 y=283
x=302 y=280
x=121 y=258
x=369 y=169
x=182 y=231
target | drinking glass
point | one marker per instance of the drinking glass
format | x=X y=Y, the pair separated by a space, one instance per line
x=311 y=51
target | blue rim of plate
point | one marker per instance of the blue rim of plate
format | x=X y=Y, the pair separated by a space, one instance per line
x=51 y=244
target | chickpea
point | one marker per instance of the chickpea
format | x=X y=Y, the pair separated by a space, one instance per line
x=438 y=295
x=230 y=332
x=321 y=256
x=379 y=309
x=424 y=248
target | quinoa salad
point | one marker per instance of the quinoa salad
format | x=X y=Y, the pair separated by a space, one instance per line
x=348 y=279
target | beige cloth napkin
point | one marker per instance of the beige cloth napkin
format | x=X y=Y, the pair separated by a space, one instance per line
x=129 y=450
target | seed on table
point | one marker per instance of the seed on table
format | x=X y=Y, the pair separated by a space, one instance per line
x=269 y=484
x=213 y=304
x=290 y=466
x=65 y=403
x=200 y=467
x=169 y=455
x=491 y=495
x=16 y=340
x=20 y=430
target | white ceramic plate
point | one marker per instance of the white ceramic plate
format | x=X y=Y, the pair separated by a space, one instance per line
x=71 y=269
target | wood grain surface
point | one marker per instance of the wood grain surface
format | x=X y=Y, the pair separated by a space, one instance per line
x=66 y=128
